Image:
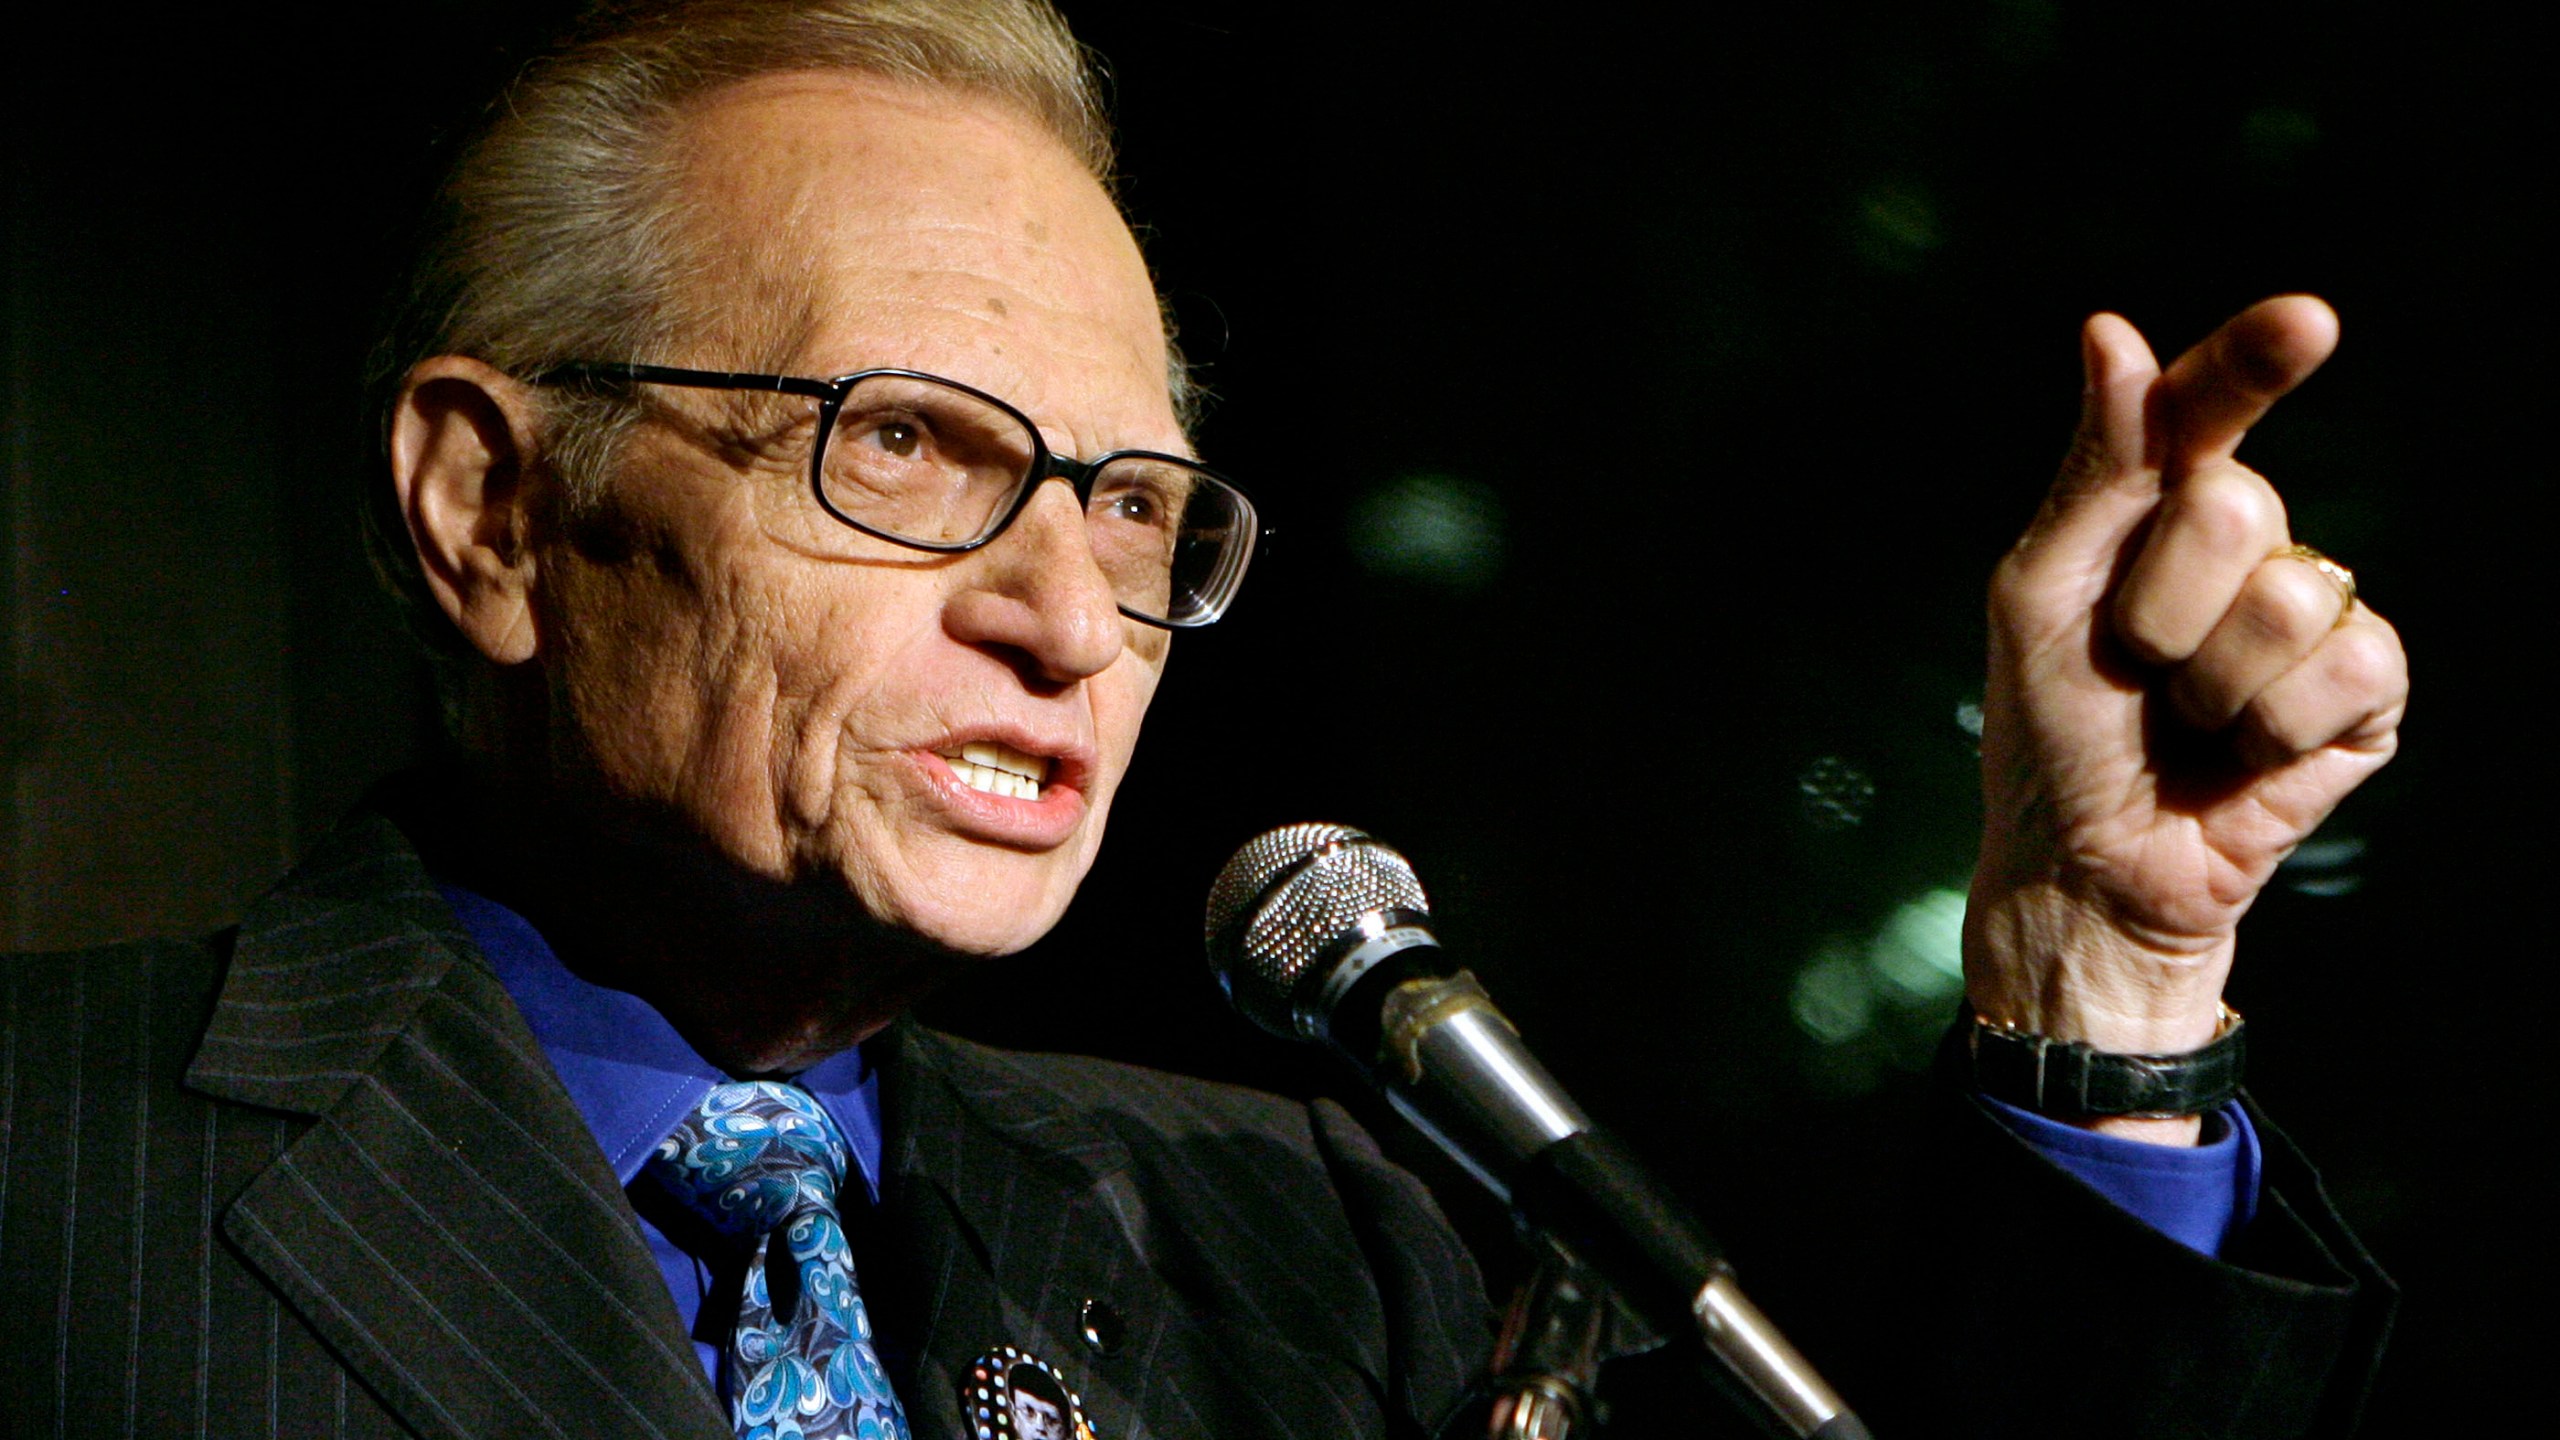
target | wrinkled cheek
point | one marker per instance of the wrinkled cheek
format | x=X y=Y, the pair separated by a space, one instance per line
x=729 y=782
x=805 y=772
x=820 y=779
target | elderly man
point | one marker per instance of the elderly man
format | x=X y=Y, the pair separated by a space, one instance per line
x=787 y=462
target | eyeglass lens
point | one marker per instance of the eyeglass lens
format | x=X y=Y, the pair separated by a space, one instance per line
x=923 y=461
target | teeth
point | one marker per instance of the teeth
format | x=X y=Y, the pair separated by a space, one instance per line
x=999 y=769
x=1004 y=757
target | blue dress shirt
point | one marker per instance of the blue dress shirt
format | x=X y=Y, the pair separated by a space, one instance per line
x=632 y=1076
x=2197 y=1195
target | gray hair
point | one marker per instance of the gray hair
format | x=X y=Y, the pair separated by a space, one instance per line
x=559 y=233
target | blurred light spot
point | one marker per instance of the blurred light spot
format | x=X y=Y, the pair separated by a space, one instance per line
x=1434 y=528
x=1969 y=718
x=1834 y=1002
x=2321 y=867
x=1836 y=794
x=2278 y=134
x=1919 y=950
x=1897 y=226
x=2330 y=853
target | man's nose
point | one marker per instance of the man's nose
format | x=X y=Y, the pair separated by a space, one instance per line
x=1039 y=593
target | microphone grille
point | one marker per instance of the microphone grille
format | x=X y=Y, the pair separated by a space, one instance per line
x=1285 y=898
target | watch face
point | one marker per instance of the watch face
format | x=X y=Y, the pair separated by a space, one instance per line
x=1011 y=1394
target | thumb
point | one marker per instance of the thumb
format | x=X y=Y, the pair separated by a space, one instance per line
x=2211 y=395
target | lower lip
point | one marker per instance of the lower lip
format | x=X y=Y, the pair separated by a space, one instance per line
x=1032 y=824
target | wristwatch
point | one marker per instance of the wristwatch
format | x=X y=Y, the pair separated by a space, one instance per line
x=2068 y=1080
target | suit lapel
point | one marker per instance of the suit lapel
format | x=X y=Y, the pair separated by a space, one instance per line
x=1003 y=1213
x=1005 y=1209
x=446 y=1223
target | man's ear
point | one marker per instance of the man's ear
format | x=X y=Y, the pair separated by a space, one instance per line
x=461 y=444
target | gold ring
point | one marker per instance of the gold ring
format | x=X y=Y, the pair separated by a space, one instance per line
x=2331 y=571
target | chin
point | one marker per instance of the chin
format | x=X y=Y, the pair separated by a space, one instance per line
x=991 y=903
x=978 y=934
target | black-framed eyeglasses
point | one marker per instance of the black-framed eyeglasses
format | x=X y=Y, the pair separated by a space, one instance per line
x=939 y=466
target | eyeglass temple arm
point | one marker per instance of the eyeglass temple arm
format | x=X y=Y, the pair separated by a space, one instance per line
x=691 y=379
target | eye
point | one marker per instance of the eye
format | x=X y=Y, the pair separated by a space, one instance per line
x=898 y=437
x=1137 y=507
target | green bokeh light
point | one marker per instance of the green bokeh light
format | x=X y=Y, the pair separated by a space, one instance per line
x=1437 y=529
x=1919 y=950
x=1834 y=1001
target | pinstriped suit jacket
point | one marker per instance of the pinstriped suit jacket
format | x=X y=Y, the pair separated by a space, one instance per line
x=314 y=1177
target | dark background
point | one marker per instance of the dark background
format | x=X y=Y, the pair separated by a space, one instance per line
x=1642 y=403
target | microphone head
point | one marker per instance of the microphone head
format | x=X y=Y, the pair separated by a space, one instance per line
x=1281 y=912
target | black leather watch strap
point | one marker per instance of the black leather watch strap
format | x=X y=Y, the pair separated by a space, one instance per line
x=2067 y=1080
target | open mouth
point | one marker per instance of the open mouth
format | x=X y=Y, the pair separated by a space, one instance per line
x=998 y=769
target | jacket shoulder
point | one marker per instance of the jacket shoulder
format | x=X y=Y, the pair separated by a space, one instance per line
x=48 y=997
x=99 y=1040
x=114 y=1168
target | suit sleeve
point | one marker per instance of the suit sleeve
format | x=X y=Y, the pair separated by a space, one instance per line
x=2011 y=1299
x=1977 y=1289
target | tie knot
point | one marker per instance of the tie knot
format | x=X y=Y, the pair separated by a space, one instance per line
x=754 y=1153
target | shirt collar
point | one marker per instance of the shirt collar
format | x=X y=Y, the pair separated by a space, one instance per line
x=630 y=1074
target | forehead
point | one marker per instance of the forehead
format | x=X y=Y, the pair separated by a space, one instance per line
x=855 y=221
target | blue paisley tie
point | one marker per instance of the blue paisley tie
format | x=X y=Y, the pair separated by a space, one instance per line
x=759 y=1158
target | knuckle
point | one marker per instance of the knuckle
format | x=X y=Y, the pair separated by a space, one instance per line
x=2363 y=661
x=2287 y=606
x=2232 y=506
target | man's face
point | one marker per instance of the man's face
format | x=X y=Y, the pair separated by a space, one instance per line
x=790 y=703
x=1037 y=1419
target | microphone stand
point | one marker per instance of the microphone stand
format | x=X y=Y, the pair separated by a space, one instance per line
x=1563 y=1325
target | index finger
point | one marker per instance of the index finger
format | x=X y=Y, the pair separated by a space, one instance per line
x=2205 y=403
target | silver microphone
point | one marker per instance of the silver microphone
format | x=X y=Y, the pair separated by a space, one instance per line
x=1319 y=933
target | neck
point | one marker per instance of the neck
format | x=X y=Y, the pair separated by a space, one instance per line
x=760 y=976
